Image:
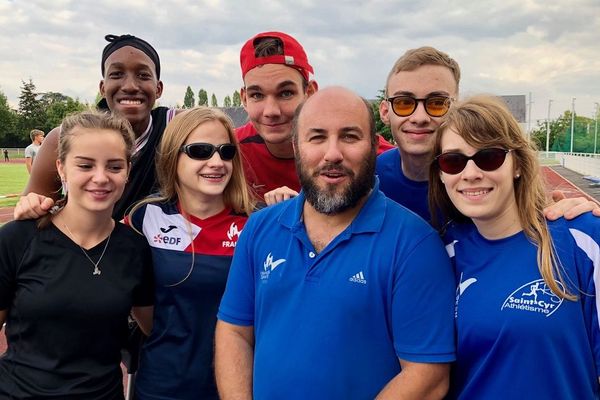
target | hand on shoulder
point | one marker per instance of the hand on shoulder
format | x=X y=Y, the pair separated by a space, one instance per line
x=32 y=206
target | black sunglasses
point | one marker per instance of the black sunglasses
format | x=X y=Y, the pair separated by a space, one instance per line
x=204 y=151
x=435 y=106
x=485 y=159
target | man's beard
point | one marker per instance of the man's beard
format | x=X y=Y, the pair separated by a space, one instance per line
x=330 y=200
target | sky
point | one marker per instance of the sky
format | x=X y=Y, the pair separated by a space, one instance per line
x=549 y=48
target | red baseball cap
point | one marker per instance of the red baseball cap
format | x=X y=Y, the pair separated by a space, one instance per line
x=293 y=54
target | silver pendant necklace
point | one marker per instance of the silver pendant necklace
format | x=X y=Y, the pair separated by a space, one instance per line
x=97 y=270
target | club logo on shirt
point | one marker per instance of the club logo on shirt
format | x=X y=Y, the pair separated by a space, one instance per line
x=269 y=265
x=534 y=297
x=460 y=289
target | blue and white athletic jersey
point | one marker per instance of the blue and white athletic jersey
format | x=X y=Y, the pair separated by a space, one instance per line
x=396 y=186
x=332 y=325
x=517 y=339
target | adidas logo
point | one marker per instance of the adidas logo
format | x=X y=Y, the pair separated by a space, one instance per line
x=358 y=278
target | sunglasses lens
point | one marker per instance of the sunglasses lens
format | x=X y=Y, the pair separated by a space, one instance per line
x=404 y=105
x=437 y=106
x=227 y=152
x=200 y=151
x=490 y=159
x=486 y=159
x=452 y=163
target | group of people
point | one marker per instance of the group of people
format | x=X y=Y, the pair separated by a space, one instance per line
x=345 y=290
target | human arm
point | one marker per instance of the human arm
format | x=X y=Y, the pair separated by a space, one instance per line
x=44 y=176
x=234 y=358
x=569 y=208
x=28 y=161
x=143 y=316
x=43 y=185
x=419 y=381
x=32 y=206
x=280 y=194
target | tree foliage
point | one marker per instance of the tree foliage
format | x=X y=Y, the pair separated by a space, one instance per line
x=380 y=127
x=57 y=106
x=31 y=112
x=188 y=100
x=213 y=101
x=227 y=101
x=560 y=134
x=202 y=98
x=237 y=99
x=36 y=110
x=8 y=123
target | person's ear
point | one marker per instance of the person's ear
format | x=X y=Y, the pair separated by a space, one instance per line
x=312 y=88
x=384 y=112
x=159 y=89
x=243 y=97
x=60 y=169
x=101 y=88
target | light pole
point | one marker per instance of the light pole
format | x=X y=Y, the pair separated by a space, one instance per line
x=596 y=128
x=548 y=128
x=572 y=123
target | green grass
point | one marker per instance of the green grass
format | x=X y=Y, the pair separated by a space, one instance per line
x=13 y=178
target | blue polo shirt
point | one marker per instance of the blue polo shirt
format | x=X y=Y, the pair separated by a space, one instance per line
x=333 y=325
x=396 y=186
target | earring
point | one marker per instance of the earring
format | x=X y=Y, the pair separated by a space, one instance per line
x=517 y=176
x=65 y=188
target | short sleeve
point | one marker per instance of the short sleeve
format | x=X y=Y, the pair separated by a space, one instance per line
x=13 y=242
x=237 y=304
x=586 y=232
x=423 y=304
x=144 y=292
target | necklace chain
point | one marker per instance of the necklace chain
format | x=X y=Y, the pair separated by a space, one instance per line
x=97 y=270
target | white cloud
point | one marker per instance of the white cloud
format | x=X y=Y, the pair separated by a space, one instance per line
x=548 y=48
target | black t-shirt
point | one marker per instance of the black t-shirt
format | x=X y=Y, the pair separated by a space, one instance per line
x=142 y=177
x=65 y=326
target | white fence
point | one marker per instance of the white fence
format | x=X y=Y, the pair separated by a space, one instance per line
x=583 y=163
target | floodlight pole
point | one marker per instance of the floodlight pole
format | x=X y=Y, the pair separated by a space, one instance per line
x=548 y=129
x=572 y=123
x=596 y=128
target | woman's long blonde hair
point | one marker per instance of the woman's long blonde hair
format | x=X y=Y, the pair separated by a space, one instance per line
x=484 y=122
x=235 y=195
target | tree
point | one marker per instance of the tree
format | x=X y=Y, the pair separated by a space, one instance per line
x=202 y=98
x=227 y=101
x=57 y=106
x=8 y=124
x=188 y=100
x=380 y=127
x=237 y=100
x=31 y=111
x=213 y=101
x=560 y=134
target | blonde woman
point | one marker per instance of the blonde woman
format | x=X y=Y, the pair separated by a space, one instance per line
x=526 y=313
x=69 y=280
x=192 y=226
